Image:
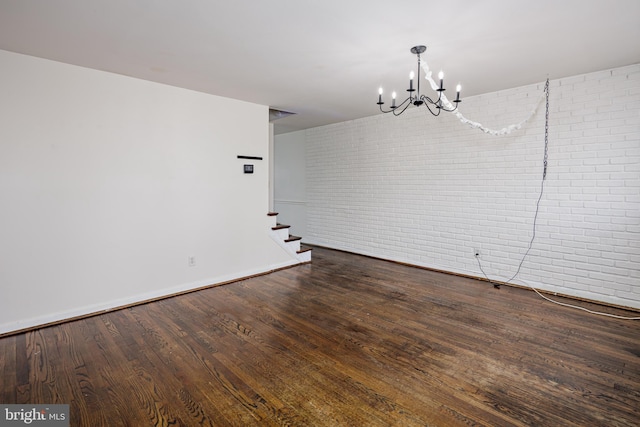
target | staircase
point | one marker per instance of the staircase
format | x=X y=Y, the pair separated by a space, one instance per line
x=291 y=244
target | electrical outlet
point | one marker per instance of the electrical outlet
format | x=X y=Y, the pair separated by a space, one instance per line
x=192 y=261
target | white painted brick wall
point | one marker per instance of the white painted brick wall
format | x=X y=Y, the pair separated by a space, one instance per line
x=428 y=190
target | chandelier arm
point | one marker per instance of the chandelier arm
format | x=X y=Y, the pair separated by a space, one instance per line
x=398 y=109
x=426 y=99
x=437 y=113
x=448 y=110
x=427 y=102
x=446 y=105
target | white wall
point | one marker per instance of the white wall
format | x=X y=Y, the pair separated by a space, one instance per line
x=290 y=183
x=428 y=191
x=108 y=184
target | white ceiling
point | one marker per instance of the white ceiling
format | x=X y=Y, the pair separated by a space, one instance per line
x=325 y=59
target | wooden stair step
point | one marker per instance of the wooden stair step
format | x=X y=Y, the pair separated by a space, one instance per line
x=280 y=227
x=290 y=237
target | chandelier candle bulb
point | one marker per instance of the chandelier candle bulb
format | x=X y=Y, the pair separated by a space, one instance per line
x=393 y=100
x=411 y=75
x=441 y=77
x=380 y=97
x=458 y=93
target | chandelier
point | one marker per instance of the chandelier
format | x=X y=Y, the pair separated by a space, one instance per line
x=435 y=107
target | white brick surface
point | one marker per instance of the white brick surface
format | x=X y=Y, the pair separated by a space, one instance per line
x=429 y=190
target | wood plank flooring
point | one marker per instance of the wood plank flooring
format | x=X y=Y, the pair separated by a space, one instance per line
x=343 y=341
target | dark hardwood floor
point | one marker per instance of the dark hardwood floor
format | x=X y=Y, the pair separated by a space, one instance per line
x=344 y=341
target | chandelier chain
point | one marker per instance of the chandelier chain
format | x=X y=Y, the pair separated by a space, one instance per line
x=535 y=216
x=546 y=130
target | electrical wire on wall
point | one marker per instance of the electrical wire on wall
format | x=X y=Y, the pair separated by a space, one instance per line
x=535 y=220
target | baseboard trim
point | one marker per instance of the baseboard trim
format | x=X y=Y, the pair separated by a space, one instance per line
x=483 y=279
x=91 y=312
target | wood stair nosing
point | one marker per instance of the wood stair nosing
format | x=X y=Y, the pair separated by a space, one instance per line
x=290 y=238
x=280 y=227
